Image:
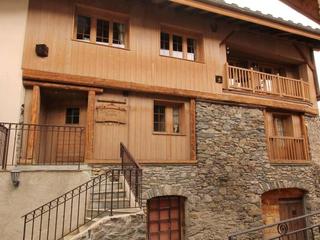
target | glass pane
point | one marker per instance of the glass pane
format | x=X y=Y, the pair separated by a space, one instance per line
x=83 y=28
x=159 y=118
x=102 y=31
x=118 y=34
x=177 y=43
x=72 y=116
x=191 y=49
x=176 y=119
x=164 y=42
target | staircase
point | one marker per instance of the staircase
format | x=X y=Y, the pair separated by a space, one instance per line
x=116 y=191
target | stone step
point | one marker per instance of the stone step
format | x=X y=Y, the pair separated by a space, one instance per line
x=115 y=212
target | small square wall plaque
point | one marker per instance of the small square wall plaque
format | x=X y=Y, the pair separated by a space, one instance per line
x=219 y=79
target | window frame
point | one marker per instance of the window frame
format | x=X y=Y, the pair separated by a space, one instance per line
x=169 y=117
x=186 y=35
x=295 y=134
x=104 y=15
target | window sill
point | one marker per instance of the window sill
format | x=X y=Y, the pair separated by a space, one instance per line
x=101 y=44
x=183 y=59
x=291 y=163
x=169 y=134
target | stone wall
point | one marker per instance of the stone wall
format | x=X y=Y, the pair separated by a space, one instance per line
x=122 y=227
x=224 y=188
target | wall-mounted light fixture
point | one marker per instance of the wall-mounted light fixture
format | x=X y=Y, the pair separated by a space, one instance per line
x=42 y=50
x=15 y=174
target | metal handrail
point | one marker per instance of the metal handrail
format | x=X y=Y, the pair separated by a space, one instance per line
x=41 y=144
x=281 y=226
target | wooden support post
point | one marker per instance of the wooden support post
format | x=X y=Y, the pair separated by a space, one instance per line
x=32 y=130
x=193 y=138
x=227 y=76
x=90 y=126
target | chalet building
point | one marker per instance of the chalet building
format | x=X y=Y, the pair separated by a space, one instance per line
x=157 y=119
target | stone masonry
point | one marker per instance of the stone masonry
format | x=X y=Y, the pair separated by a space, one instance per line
x=224 y=188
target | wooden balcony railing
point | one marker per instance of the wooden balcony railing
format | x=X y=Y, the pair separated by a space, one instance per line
x=263 y=83
x=284 y=149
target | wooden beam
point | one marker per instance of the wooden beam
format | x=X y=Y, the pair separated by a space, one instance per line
x=61 y=86
x=227 y=37
x=138 y=87
x=34 y=119
x=246 y=17
x=90 y=126
x=193 y=140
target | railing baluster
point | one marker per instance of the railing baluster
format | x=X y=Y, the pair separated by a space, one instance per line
x=48 y=226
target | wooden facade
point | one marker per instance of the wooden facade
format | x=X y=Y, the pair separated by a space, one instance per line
x=116 y=86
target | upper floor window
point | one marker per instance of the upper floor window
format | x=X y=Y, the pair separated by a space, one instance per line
x=101 y=28
x=168 y=117
x=287 y=138
x=180 y=45
x=72 y=116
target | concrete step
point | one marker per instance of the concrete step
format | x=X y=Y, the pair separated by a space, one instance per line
x=107 y=194
x=108 y=185
x=106 y=203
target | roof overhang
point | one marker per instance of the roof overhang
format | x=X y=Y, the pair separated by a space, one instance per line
x=229 y=11
x=309 y=8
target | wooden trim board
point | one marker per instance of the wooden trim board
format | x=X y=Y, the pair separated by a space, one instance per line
x=41 y=76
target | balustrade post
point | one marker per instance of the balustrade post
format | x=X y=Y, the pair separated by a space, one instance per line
x=302 y=89
x=253 y=84
x=279 y=85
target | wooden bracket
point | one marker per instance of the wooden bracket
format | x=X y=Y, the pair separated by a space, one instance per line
x=229 y=35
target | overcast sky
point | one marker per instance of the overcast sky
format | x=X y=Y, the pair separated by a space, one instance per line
x=279 y=9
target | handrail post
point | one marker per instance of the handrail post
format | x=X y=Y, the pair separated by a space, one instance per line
x=302 y=88
x=279 y=84
x=252 y=80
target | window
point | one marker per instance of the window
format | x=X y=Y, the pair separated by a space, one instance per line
x=159 y=118
x=286 y=138
x=166 y=218
x=164 y=42
x=101 y=29
x=118 y=34
x=72 y=116
x=179 y=46
x=191 y=49
x=282 y=125
x=168 y=117
x=83 y=28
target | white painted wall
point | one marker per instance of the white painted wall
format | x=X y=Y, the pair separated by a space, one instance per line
x=13 y=17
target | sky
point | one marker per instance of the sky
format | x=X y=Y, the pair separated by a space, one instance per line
x=279 y=9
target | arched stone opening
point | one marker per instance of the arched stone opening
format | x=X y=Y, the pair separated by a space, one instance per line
x=166 y=217
x=282 y=204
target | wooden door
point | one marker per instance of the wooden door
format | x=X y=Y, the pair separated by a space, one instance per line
x=165 y=218
x=291 y=208
x=3 y=144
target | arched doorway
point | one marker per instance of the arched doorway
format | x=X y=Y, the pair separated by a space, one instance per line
x=166 y=218
x=283 y=204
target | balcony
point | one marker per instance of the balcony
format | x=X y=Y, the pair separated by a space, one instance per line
x=260 y=83
x=30 y=144
x=288 y=149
